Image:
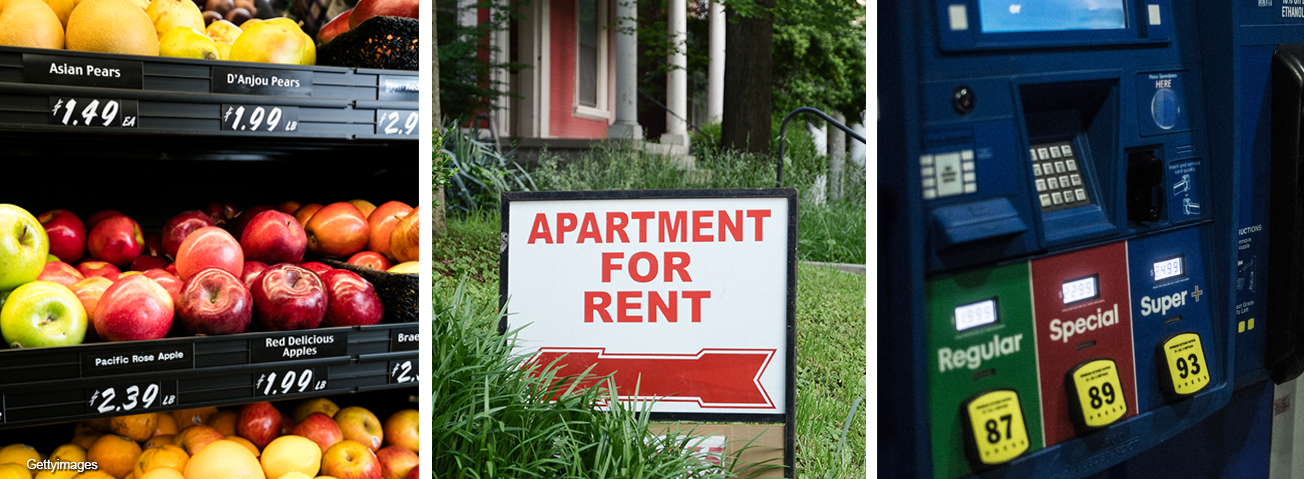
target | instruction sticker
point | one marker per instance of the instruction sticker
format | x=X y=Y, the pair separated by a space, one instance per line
x=997 y=431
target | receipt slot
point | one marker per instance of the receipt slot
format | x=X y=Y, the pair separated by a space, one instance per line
x=983 y=369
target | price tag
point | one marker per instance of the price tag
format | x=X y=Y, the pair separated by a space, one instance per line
x=1096 y=398
x=1188 y=373
x=404 y=340
x=997 y=433
x=131 y=397
x=403 y=371
x=260 y=119
x=397 y=122
x=93 y=112
x=289 y=381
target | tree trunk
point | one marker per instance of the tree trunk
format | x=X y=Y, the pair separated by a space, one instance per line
x=438 y=221
x=747 y=65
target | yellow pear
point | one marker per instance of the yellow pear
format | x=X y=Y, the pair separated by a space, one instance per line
x=225 y=50
x=222 y=31
x=170 y=14
x=62 y=8
x=274 y=41
x=184 y=42
x=29 y=23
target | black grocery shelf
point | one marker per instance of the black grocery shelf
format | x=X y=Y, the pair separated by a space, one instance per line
x=46 y=385
x=175 y=96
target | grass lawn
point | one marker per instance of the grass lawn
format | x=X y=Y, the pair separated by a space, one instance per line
x=830 y=342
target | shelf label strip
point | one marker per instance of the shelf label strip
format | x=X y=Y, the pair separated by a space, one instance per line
x=298 y=346
x=78 y=71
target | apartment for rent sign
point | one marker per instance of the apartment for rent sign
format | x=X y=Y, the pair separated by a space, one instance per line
x=686 y=295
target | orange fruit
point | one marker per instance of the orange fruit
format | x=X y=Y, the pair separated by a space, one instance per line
x=295 y=475
x=85 y=439
x=194 y=438
x=100 y=424
x=111 y=26
x=160 y=440
x=29 y=23
x=223 y=421
x=163 y=456
x=137 y=427
x=166 y=425
x=114 y=454
x=14 y=471
x=245 y=442
x=291 y=453
x=68 y=453
x=18 y=454
x=94 y=474
x=224 y=460
x=163 y=473
x=59 y=474
x=193 y=417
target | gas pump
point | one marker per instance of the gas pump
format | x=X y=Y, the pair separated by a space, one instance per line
x=1057 y=247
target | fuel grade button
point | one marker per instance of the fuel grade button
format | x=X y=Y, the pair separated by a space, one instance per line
x=1188 y=373
x=1095 y=394
x=995 y=431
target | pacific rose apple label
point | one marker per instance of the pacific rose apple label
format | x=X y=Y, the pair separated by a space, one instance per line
x=137 y=359
x=257 y=81
x=298 y=346
x=78 y=71
x=399 y=88
x=404 y=340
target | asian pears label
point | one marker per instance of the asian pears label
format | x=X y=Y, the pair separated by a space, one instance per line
x=996 y=432
x=77 y=71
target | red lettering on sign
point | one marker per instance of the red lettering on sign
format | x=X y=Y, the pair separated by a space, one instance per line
x=669 y=309
x=734 y=227
x=678 y=226
x=672 y=265
x=758 y=214
x=603 y=301
x=589 y=230
x=651 y=270
x=697 y=297
x=540 y=229
x=567 y=222
x=608 y=266
x=642 y=217
x=615 y=227
x=628 y=305
x=623 y=305
x=699 y=225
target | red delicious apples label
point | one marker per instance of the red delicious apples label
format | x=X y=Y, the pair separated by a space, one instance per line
x=687 y=300
x=137 y=359
x=257 y=81
x=298 y=346
x=97 y=72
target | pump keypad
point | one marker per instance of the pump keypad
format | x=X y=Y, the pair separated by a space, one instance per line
x=1057 y=173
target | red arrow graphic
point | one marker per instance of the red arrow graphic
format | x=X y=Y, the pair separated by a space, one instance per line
x=712 y=378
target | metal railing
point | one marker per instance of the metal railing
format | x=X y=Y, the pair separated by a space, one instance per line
x=783 y=130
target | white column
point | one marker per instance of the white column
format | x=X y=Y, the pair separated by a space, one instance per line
x=626 y=125
x=715 y=72
x=837 y=151
x=677 y=78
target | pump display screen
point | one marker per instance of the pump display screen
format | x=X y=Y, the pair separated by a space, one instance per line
x=1169 y=268
x=973 y=315
x=1080 y=289
x=1050 y=15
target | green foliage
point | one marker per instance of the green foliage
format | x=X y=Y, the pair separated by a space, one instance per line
x=480 y=173
x=470 y=249
x=819 y=56
x=440 y=169
x=465 y=86
x=830 y=323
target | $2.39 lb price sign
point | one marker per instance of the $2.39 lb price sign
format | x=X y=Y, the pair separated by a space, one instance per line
x=260 y=119
x=131 y=397
x=93 y=112
x=289 y=381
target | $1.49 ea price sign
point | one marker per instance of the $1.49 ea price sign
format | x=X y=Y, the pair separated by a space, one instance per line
x=93 y=112
x=260 y=119
x=131 y=397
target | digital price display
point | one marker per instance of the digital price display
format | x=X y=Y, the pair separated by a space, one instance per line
x=1050 y=15
x=1080 y=289
x=973 y=315
x=1170 y=268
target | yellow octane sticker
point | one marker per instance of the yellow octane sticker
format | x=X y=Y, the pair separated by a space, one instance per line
x=996 y=419
x=1186 y=364
x=1099 y=392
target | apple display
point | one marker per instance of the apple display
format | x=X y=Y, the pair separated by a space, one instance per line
x=288 y=298
x=366 y=9
x=251 y=271
x=274 y=237
x=98 y=268
x=305 y=212
x=67 y=234
x=258 y=422
x=405 y=240
x=396 y=461
x=133 y=308
x=144 y=263
x=319 y=428
x=221 y=212
x=382 y=222
x=350 y=460
x=98 y=216
x=196 y=437
x=153 y=244
x=40 y=314
x=237 y=225
x=60 y=272
x=177 y=228
x=316 y=267
x=288 y=207
x=365 y=207
x=359 y=424
x=350 y=300
x=410 y=267
x=89 y=291
x=116 y=240
x=213 y=302
x=333 y=28
x=168 y=281
x=321 y=405
x=209 y=247
x=23 y=247
x=370 y=259
x=337 y=230
x=403 y=429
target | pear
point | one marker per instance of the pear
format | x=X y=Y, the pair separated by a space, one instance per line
x=274 y=41
x=170 y=14
x=222 y=31
x=185 y=42
x=225 y=50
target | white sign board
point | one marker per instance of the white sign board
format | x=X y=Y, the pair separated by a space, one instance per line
x=685 y=298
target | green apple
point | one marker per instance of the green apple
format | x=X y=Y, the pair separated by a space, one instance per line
x=42 y=313
x=49 y=258
x=23 y=247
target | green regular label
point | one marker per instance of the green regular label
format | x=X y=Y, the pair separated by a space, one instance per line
x=980 y=337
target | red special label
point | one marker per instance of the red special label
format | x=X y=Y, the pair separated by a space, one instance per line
x=1082 y=311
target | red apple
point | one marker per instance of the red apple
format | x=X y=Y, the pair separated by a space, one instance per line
x=116 y=240
x=172 y=268
x=89 y=291
x=402 y=429
x=338 y=230
x=414 y=473
x=319 y=428
x=370 y=259
x=99 y=216
x=60 y=272
x=145 y=263
x=153 y=244
x=214 y=302
x=405 y=240
x=333 y=28
x=366 y=9
x=98 y=268
x=305 y=212
x=382 y=222
x=176 y=229
x=350 y=460
x=134 y=307
x=67 y=234
x=274 y=237
x=365 y=207
x=221 y=212
x=168 y=281
x=289 y=207
x=350 y=300
x=316 y=267
x=396 y=461
x=251 y=271
x=287 y=424
x=237 y=225
x=288 y=298
x=359 y=424
x=209 y=247
x=258 y=422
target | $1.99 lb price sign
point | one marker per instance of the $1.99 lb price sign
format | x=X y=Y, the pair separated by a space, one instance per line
x=289 y=381
x=131 y=398
x=93 y=112
x=260 y=119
